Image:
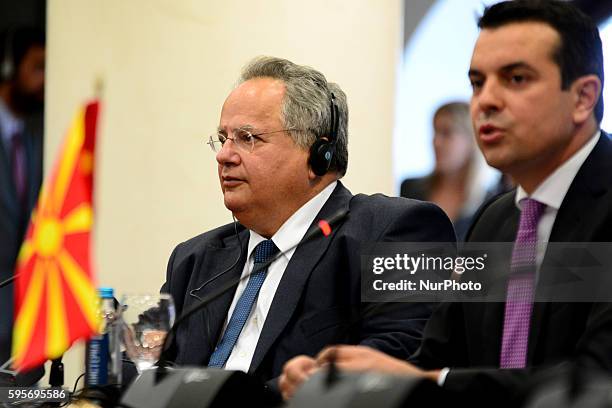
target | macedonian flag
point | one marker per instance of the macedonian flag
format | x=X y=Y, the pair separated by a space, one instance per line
x=55 y=296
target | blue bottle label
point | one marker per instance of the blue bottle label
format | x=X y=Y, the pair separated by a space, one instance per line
x=97 y=360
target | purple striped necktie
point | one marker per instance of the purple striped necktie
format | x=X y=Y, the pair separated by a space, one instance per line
x=18 y=166
x=519 y=298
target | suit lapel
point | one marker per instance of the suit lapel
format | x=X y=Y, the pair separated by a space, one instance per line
x=493 y=318
x=301 y=265
x=571 y=223
x=205 y=327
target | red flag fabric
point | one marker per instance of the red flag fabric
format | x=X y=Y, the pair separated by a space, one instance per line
x=55 y=295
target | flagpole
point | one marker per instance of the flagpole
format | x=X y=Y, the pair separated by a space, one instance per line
x=98 y=87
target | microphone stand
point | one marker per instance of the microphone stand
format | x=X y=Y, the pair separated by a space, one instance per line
x=7 y=376
x=56 y=376
x=323 y=227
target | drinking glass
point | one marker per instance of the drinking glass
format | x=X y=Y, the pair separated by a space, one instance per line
x=146 y=322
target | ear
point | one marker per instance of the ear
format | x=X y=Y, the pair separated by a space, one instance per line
x=586 y=90
x=311 y=174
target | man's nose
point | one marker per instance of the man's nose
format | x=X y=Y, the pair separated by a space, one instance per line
x=228 y=153
x=490 y=99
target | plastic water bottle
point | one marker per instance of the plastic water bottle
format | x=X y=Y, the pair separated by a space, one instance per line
x=103 y=351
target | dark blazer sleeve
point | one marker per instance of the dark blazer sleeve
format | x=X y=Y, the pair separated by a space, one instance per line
x=592 y=352
x=169 y=285
x=396 y=328
x=178 y=274
x=443 y=340
x=445 y=345
x=177 y=296
x=445 y=337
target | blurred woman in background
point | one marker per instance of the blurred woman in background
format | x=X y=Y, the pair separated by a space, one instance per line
x=461 y=178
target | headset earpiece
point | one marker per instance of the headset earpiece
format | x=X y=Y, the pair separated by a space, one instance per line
x=321 y=155
x=323 y=149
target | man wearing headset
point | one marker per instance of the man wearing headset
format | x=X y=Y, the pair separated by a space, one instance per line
x=281 y=148
x=22 y=76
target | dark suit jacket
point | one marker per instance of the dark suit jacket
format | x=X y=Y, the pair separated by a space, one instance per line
x=317 y=302
x=467 y=337
x=14 y=220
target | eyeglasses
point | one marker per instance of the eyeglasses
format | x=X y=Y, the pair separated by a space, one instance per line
x=243 y=139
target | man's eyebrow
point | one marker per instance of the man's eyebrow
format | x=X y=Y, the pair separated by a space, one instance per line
x=515 y=65
x=474 y=72
x=505 y=69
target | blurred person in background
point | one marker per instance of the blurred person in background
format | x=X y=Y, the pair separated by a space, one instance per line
x=460 y=179
x=22 y=84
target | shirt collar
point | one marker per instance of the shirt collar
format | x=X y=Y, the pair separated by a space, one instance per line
x=9 y=123
x=553 y=189
x=293 y=230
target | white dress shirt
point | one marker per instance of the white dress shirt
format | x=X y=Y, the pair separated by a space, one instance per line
x=551 y=192
x=288 y=236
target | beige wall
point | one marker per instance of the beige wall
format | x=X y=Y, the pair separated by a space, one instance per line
x=167 y=66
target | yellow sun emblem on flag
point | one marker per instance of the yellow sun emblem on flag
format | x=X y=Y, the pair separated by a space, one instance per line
x=56 y=275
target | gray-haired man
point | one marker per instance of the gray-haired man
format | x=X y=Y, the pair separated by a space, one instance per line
x=278 y=185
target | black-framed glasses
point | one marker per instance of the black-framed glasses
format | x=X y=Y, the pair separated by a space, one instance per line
x=242 y=138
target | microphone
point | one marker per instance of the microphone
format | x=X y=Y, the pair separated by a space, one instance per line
x=323 y=227
x=332 y=372
x=8 y=281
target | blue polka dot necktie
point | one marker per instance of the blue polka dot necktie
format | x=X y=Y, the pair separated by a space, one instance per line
x=264 y=251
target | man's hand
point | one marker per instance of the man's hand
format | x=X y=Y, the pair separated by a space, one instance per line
x=361 y=358
x=295 y=372
x=348 y=358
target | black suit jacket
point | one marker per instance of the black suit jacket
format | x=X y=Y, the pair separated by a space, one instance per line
x=14 y=220
x=467 y=336
x=317 y=302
